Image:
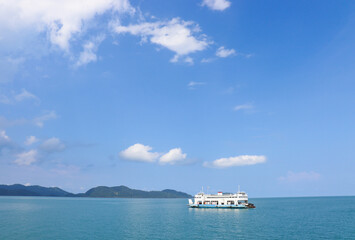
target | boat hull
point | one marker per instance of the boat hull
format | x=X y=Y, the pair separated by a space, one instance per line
x=217 y=206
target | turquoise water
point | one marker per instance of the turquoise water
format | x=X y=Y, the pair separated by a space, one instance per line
x=85 y=218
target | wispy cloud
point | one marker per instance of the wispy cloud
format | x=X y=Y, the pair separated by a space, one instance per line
x=300 y=176
x=89 y=52
x=4 y=139
x=24 y=95
x=242 y=160
x=31 y=140
x=243 y=107
x=52 y=145
x=192 y=85
x=39 y=121
x=207 y=60
x=26 y=158
x=219 y=5
x=189 y=60
x=18 y=97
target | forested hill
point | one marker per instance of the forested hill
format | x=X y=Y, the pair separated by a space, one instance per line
x=126 y=192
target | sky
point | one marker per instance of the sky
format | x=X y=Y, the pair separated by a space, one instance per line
x=179 y=94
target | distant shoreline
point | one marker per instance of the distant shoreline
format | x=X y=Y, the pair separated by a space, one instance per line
x=20 y=190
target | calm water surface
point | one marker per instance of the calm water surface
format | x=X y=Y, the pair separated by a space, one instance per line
x=85 y=218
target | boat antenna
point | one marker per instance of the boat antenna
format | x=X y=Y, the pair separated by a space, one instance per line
x=238 y=188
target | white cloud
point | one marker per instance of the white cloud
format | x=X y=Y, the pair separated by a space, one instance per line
x=4 y=138
x=139 y=152
x=243 y=107
x=300 y=176
x=218 y=5
x=61 y=19
x=175 y=155
x=176 y=35
x=223 y=52
x=236 y=161
x=89 y=53
x=26 y=158
x=52 y=145
x=39 y=121
x=31 y=140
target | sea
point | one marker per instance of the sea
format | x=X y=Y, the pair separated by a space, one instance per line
x=98 y=218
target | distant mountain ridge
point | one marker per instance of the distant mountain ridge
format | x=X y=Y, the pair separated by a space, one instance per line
x=96 y=192
x=126 y=192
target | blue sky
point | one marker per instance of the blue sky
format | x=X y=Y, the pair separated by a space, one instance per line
x=179 y=94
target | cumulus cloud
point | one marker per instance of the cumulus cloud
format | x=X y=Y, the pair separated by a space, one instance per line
x=222 y=52
x=60 y=19
x=89 y=51
x=175 y=155
x=242 y=160
x=180 y=37
x=52 y=145
x=31 y=140
x=39 y=121
x=243 y=107
x=26 y=158
x=300 y=176
x=139 y=152
x=218 y=5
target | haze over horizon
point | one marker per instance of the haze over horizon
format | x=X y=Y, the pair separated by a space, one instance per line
x=179 y=94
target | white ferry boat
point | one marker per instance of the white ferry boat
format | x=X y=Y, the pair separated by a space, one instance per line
x=221 y=200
